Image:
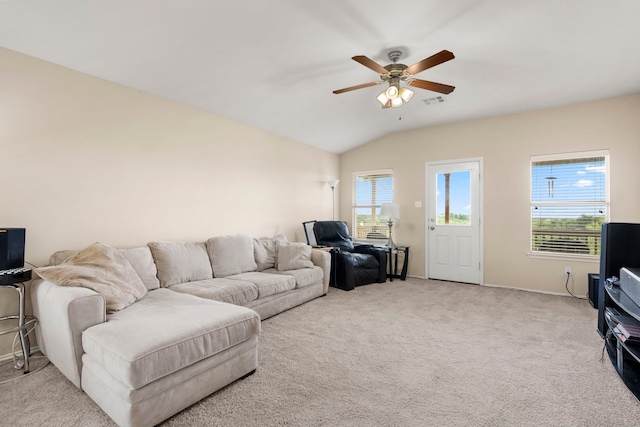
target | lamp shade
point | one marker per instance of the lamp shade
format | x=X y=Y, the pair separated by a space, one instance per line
x=390 y=210
x=333 y=183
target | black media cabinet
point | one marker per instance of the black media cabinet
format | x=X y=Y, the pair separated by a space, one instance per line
x=619 y=247
x=623 y=352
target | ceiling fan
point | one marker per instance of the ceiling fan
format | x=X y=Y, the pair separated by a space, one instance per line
x=394 y=73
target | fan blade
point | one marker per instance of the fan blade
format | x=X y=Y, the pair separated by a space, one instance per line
x=387 y=104
x=429 y=62
x=369 y=63
x=347 y=89
x=436 y=87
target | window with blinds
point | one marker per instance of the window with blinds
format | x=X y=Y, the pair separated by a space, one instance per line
x=370 y=190
x=569 y=202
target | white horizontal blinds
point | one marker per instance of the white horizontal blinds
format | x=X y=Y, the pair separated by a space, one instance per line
x=569 y=203
x=370 y=190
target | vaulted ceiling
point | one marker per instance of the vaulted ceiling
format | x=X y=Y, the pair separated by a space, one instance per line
x=274 y=64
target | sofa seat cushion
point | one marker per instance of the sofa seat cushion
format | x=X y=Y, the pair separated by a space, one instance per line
x=165 y=332
x=220 y=289
x=304 y=276
x=267 y=284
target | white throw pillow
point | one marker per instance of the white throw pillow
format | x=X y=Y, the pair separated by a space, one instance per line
x=103 y=269
x=293 y=256
x=264 y=251
x=231 y=254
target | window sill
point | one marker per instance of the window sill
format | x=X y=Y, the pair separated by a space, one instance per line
x=567 y=257
x=370 y=242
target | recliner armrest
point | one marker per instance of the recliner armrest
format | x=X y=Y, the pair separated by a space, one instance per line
x=372 y=250
x=344 y=270
x=381 y=256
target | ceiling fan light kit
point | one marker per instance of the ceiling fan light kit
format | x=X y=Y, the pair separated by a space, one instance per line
x=394 y=73
x=396 y=97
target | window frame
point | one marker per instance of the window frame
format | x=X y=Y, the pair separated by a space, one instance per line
x=607 y=203
x=355 y=206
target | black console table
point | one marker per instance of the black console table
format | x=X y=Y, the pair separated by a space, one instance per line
x=624 y=353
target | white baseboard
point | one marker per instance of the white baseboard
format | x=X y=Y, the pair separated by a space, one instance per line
x=535 y=291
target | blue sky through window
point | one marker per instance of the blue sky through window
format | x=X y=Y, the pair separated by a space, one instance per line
x=567 y=181
x=459 y=193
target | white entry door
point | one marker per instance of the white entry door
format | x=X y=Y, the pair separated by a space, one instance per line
x=453 y=221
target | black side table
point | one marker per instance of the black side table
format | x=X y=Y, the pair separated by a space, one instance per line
x=14 y=279
x=393 y=262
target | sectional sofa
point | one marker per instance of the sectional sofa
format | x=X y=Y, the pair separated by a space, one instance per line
x=148 y=331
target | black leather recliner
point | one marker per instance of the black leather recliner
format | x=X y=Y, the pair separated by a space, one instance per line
x=353 y=265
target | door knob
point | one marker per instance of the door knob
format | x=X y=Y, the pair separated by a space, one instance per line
x=432 y=227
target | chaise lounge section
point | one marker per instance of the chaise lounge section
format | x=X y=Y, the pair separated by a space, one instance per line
x=148 y=331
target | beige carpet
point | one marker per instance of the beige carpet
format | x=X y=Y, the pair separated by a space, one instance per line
x=414 y=353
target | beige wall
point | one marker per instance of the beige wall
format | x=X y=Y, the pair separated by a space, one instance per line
x=85 y=160
x=505 y=144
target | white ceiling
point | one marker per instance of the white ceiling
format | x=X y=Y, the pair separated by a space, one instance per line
x=273 y=64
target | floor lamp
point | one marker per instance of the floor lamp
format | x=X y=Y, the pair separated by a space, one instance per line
x=391 y=211
x=333 y=184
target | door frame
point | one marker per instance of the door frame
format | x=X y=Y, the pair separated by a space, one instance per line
x=480 y=162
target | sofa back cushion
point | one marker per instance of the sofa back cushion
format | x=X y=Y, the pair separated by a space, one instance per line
x=142 y=262
x=231 y=254
x=179 y=262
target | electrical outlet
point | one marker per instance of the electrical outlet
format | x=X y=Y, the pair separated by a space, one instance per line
x=567 y=270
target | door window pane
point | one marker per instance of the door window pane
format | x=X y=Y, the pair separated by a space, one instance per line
x=453 y=199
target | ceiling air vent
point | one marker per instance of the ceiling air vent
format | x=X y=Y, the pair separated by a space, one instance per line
x=434 y=100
